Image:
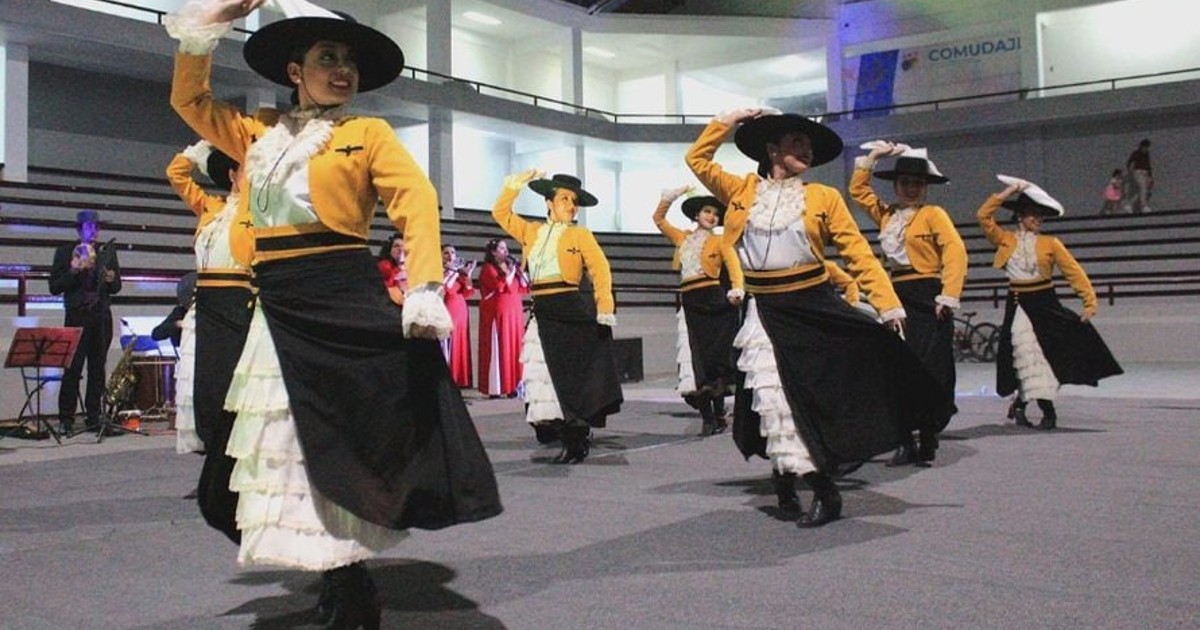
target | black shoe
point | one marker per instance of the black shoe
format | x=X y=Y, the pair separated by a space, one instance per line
x=1049 y=415
x=66 y=427
x=546 y=432
x=906 y=454
x=577 y=443
x=927 y=445
x=348 y=599
x=709 y=426
x=827 y=502
x=785 y=491
x=1016 y=411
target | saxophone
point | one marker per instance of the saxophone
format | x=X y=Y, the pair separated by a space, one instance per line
x=122 y=379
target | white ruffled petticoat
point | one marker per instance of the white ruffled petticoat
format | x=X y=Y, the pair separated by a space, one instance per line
x=1033 y=370
x=186 y=438
x=284 y=521
x=541 y=401
x=787 y=451
x=683 y=356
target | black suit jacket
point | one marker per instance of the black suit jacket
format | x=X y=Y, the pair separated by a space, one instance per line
x=70 y=285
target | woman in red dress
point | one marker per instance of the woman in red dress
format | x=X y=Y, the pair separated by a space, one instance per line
x=502 y=287
x=391 y=267
x=456 y=280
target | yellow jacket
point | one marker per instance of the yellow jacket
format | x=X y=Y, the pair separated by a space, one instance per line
x=206 y=206
x=826 y=219
x=933 y=245
x=714 y=252
x=843 y=282
x=577 y=248
x=1050 y=252
x=363 y=163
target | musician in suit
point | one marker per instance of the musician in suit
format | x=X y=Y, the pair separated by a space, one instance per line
x=86 y=274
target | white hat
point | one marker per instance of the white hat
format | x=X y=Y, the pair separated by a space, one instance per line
x=1032 y=197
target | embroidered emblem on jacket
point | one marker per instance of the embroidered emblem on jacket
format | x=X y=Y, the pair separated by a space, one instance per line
x=348 y=149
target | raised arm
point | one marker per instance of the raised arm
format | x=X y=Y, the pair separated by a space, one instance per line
x=673 y=234
x=502 y=210
x=700 y=155
x=987 y=214
x=179 y=174
x=861 y=190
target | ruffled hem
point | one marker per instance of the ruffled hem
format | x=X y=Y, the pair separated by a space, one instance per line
x=787 y=451
x=683 y=356
x=186 y=438
x=1033 y=370
x=541 y=401
x=284 y=521
x=424 y=307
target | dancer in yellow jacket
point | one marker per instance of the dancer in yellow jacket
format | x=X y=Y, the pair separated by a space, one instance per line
x=571 y=383
x=828 y=385
x=708 y=298
x=1042 y=344
x=927 y=262
x=349 y=430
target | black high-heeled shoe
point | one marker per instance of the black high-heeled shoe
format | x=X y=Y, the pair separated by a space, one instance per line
x=827 y=501
x=350 y=600
x=785 y=491
x=576 y=442
x=1016 y=411
x=1049 y=415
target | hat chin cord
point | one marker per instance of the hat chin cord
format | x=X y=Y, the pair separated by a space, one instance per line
x=303 y=85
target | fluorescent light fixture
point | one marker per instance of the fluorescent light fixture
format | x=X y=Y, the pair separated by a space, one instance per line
x=599 y=52
x=792 y=66
x=481 y=18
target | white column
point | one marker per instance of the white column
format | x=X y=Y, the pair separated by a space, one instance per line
x=14 y=112
x=572 y=67
x=834 y=65
x=439 y=58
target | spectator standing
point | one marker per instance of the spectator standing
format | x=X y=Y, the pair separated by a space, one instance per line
x=1140 y=170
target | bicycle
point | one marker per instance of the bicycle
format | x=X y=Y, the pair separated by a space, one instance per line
x=975 y=343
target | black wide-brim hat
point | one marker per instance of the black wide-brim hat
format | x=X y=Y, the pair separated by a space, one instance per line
x=915 y=166
x=1024 y=203
x=546 y=188
x=693 y=205
x=269 y=49
x=753 y=136
x=217 y=167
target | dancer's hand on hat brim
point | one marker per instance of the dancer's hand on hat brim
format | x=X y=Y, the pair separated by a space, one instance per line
x=670 y=195
x=224 y=11
x=735 y=116
x=517 y=181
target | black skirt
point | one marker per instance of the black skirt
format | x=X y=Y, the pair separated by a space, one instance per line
x=384 y=430
x=1073 y=348
x=854 y=387
x=712 y=323
x=222 y=321
x=579 y=356
x=930 y=338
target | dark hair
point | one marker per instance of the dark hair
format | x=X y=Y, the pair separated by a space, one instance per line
x=1116 y=171
x=489 y=255
x=385 y=251
x=1144 y=143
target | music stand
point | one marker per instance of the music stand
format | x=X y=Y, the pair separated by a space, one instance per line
x=40 y=348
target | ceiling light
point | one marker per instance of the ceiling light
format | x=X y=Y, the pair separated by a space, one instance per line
x=599 y=52
x=482 y=18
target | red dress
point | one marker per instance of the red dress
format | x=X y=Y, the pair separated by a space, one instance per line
x=458 y=347
x=501 y=330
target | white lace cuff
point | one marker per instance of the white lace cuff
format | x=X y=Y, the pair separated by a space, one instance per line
x=195 y=37
x=198 y=154
x=946 y=300
x=607 y=319
x=893 y=314
x=424 y=306
x=864 y=161
x=735 y=294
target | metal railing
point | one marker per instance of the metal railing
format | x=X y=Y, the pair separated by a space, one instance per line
x=536 y=100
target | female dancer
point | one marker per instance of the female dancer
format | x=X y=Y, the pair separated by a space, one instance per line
x=502 y=285
x=390 y=262
x=1042 y=343
x=710 y=316
x=457 y=287
x=824 y=384
x=928 y=265
x=214 y=329
x=571 y=379
x=349 y=429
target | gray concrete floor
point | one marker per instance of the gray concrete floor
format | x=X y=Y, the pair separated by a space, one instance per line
x=1091 y=526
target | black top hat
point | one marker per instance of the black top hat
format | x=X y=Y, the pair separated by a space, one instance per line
x=919 y=167
x=217 y=167
x=546 y=187
x=270 y=48
x=693 y=205
x=752 y=137
x=86 y=216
